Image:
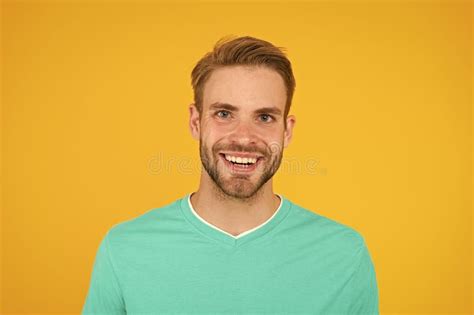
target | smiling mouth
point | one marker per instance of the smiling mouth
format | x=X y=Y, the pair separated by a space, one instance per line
x=241 y=164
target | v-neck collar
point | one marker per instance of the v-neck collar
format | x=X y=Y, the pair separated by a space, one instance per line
x=222 y=236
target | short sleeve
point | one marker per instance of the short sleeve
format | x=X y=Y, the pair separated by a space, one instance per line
x=364 y=285
x=104 y=295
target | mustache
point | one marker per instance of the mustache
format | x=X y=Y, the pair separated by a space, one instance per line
x=267 y=151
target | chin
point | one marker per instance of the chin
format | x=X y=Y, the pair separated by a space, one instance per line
x=240 y=190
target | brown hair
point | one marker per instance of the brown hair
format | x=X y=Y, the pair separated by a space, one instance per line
x=246 y=51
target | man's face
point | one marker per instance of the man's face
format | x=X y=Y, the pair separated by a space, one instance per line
x=241 y=128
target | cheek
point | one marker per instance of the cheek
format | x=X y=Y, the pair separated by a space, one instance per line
x=209 y=139
x=215 y=133
x=275 y=142
x=221 y=128
x=212 y=127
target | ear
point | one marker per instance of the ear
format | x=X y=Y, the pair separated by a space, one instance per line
x=194 y=122
x=290 y=123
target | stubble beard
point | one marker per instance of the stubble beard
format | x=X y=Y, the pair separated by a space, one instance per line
x=240 y=186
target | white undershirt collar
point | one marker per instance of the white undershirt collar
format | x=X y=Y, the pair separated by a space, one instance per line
x=241 y=234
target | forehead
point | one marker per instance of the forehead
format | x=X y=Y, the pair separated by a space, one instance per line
x=245 y=87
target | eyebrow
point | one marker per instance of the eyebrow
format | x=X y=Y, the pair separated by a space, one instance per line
x=263 y=110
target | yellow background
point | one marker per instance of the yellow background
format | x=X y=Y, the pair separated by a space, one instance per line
x=94 y=132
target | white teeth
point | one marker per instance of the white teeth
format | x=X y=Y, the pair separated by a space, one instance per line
x=240 y=160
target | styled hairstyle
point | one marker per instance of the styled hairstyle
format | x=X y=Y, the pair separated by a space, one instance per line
x=244 y=51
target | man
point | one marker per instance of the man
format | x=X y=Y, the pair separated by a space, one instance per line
x=234 y=246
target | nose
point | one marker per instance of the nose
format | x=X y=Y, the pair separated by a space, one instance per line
x=244 y=134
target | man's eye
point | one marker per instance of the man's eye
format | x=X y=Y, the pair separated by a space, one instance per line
x=223 y=114
x=266 y=118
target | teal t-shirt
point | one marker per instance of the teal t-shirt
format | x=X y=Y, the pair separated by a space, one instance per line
x=170 y=260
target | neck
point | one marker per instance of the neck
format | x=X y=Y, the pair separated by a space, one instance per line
x=231 y=214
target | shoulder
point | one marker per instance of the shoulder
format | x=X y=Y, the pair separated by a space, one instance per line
x=149 y=222
x=325 y=231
